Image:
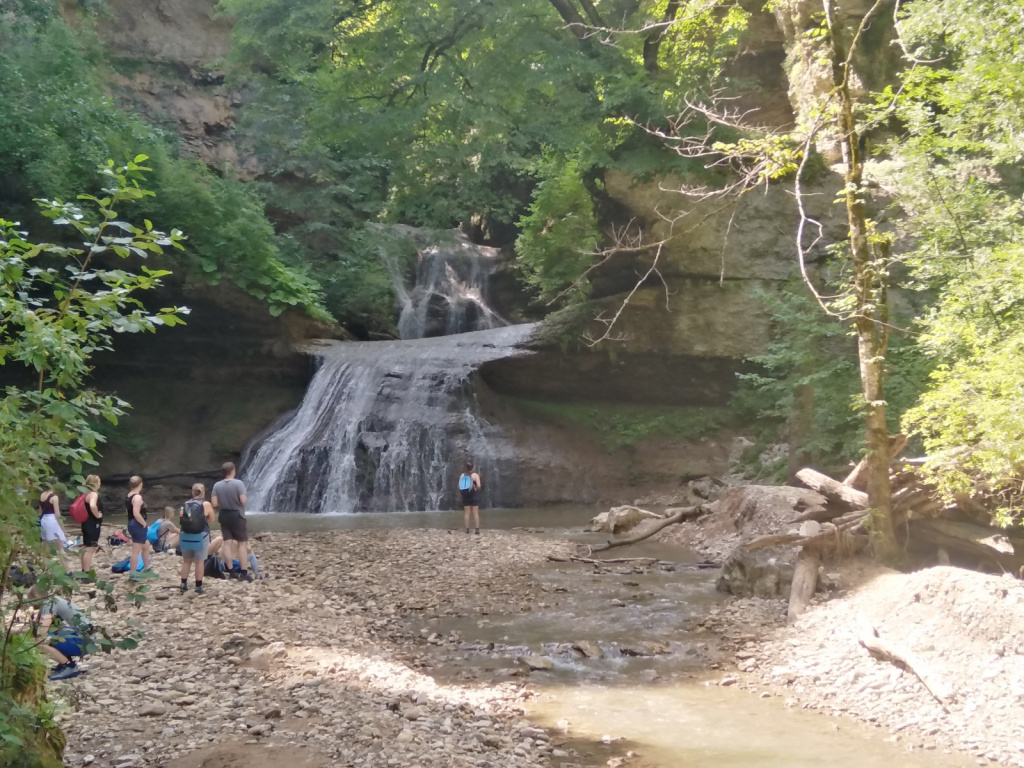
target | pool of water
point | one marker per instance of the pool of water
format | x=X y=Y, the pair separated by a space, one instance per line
x=554 y=520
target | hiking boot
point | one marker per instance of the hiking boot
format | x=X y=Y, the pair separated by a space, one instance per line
x=467 y=530
x=244 y=576
x=184 y=587
x=477 y=531
x=65 y=671
x=200 y=590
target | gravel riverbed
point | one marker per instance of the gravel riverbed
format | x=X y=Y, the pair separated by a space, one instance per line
x=315 y=665
x=341 y=658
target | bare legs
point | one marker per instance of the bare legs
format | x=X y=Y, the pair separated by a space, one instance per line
x=187 y=564
x=87 y=555
x=138 y=550
x=475 y=512
x=53 y=653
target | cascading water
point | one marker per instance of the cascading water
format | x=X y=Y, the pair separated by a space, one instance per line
x=386 y=426
x=450 y=291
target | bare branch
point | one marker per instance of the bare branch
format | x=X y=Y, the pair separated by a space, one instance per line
x=610 y=322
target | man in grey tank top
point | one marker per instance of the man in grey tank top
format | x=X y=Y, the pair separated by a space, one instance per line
x=229 y=498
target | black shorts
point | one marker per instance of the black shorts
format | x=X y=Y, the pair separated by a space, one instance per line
x=471 y=498
x=137 y=532
x=232 y=525
x=91 y=532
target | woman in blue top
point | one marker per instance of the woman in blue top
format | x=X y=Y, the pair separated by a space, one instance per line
x=194 y=543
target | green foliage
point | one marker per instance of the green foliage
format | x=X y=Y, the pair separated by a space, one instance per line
x=957 y=175
x=621 y=426
x=559 y=236
x=434 y=114
x=59 y=305
x=808 y=383
x=58 y=124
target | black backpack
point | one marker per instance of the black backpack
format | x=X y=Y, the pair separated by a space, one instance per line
x=212 y=567
x=191 y=517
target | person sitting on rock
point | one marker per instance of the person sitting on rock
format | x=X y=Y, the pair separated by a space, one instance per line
x=65 y=638
x=217 y=545
x=163 y=534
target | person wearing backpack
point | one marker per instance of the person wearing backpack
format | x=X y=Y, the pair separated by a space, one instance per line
x=88 y=511
x=194 y=519
x=469 y=487
x=163 y=534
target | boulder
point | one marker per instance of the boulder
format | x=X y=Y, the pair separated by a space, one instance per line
x=620 y=519
x=765 y=573
x=538 y=663
x=589 y=649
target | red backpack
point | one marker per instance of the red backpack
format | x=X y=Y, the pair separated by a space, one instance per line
x=78 y=510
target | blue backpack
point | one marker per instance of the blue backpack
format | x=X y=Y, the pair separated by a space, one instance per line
x=153 y=532
x=121 y=566
x=465 y=482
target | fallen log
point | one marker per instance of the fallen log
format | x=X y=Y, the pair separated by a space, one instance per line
x=831 y=489
x=685 y=513
x=858 y=478
x=903 y=658
x=989 y=544
x=829 y=537
x=816 y=513
x=805 y=581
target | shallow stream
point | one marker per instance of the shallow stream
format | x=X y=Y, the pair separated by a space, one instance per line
x=654 y=709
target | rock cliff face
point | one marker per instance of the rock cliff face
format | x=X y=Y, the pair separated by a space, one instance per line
x=201 y=393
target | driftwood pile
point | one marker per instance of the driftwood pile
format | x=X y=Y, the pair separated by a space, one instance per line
x=843 y=525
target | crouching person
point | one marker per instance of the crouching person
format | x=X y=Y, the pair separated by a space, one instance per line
x=66 y=629
x=195 y=517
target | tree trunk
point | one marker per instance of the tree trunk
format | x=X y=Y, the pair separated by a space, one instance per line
x=805 y=581
x=869 y=282
x=833 y=490
x=652 y=44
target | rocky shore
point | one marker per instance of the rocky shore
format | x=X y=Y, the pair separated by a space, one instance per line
x=966 y=629
x=314 y=666
x=352 y=654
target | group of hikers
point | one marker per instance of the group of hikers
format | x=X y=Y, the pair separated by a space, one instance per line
x=224 y=556
x=231 y=553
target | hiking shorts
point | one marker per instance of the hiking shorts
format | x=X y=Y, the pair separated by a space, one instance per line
x=137 y=532
x=91 y=532
x=471 y=498
x=232 y=525
x=194 y=546
x=70 y=645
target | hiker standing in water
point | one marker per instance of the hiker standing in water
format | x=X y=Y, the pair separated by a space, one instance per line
x=469 y=487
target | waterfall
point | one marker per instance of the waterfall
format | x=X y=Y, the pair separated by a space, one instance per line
x=450 y=291
x=387 y=425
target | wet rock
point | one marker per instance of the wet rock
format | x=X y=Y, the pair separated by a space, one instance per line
x=588 y=649
x=538 y=663
x=643 y=648
x=764 y=573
